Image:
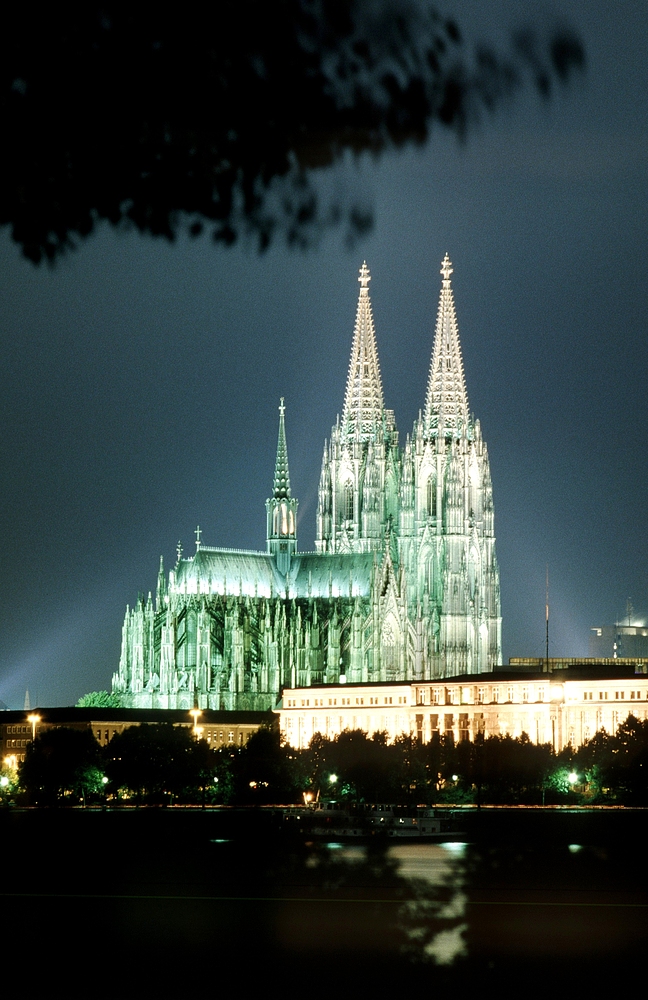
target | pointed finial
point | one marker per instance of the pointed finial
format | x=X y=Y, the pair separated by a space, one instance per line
x=365 y=277
x=446 y=268
x=179 y=552
x=197 y=533
x=282 y=408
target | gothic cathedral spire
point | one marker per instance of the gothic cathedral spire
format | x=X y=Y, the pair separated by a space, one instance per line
x=281 y=508
x=363 y=401
x=446 y=402
x=359 y=481
x=281 y=486
x=449 y=534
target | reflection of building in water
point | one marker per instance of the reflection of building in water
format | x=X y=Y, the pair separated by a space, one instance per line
x=404 y=582
x=619 y=641
x=565 y=705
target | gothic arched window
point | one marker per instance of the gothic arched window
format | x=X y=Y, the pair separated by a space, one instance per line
x=431 y=497
x=348 y=501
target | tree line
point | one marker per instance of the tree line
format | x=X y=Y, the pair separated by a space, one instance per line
x=164 y=764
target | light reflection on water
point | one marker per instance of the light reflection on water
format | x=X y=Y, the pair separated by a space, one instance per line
x=519 y=891
x=435 y=867
x=434 y=916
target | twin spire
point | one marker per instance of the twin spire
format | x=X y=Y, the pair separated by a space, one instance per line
x=363 y=409
x=446 y=403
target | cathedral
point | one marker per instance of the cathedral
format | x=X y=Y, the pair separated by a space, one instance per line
x=403 y=584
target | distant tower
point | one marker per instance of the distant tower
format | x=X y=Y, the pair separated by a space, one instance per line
x=359 y=480
x=281 y=508
x=27 y=705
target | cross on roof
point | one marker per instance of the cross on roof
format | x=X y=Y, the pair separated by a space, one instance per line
x=446 y=268
x=198 y=533
x=365 y=277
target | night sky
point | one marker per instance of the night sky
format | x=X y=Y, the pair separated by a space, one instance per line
x=141 y=379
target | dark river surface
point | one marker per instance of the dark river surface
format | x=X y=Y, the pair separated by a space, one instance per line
x=168 y=902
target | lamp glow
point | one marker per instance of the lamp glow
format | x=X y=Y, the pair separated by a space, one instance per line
x=34 y=719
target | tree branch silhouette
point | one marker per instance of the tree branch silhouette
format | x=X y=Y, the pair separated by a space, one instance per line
x=180 y=119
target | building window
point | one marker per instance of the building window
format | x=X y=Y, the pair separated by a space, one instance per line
x=348 y=501
x=431 y=497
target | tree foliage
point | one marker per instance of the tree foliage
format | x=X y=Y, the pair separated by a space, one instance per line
x=99 y=699
x=165 y=763
x=169 y=117
x=61 y=762
x=155 y=761
x=266 y=770
x=616 y=766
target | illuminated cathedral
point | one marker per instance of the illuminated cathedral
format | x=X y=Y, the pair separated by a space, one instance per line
x=403 y=584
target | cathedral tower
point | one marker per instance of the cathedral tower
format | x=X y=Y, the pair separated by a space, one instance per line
x=447 y=537
x=358 y=492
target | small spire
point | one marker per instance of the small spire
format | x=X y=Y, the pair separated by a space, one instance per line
x=363 y=401
x=198 y=533
x=281 y=487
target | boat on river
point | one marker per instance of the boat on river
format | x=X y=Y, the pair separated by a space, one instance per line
x=330 y=820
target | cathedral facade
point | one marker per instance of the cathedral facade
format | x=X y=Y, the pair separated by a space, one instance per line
x=403 y=584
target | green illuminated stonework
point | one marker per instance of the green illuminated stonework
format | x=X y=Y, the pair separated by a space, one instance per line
x=404 y=582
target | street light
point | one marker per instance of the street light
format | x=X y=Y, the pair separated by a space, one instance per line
x=196 y=713
x=34 y=719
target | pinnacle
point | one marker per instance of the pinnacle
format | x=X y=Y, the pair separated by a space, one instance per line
x=281 y=485
x=363 y=401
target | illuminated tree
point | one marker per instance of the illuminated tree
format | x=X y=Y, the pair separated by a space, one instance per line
x=99 y=699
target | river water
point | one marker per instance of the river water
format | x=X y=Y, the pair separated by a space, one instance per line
x=519 y=900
